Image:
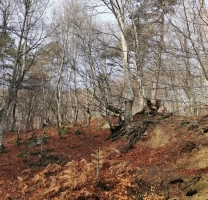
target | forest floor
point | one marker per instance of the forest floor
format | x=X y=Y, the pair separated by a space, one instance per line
x=168 y=162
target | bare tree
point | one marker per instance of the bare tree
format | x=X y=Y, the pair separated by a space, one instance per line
x=28 y=29
x=118 y=9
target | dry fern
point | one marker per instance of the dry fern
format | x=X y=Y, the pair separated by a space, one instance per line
x=37 y=178
x=52 y=190
x=51 y=168
x=153 y=197
x=77 y=174
x=79 y=179
x=120 y=168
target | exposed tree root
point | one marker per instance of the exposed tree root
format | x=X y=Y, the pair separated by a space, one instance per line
x=133 y=132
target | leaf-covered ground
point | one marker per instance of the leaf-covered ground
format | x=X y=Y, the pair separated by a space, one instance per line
x=169 y=162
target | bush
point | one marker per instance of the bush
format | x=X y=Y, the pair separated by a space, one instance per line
x=63 y=131
x=78 y=132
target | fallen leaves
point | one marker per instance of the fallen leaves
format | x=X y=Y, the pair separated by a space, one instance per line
x=121 y=176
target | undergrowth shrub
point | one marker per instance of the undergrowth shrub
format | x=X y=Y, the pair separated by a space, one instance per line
x=79 y=180
x=78 y=132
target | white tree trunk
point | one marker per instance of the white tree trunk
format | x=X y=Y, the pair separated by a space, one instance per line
x=139 y=68
x=62 y=42
x=58 y=88
x=128 y=93
x=117 y=7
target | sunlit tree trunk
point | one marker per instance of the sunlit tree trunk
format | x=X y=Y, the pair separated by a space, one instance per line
x=118 y=10
x=138 y=67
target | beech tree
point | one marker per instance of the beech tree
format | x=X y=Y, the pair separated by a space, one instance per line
x=118 y=9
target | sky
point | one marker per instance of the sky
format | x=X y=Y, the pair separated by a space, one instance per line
x=101 y=10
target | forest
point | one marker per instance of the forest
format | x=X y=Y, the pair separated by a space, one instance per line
x=72 y=62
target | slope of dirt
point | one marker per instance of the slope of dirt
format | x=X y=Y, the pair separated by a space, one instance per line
x=169 y=162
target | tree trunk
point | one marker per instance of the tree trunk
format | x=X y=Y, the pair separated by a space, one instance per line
x=128 y=117
x=117 y=7
x=11 y=93
x=60 y=70
x=128 y=93
x=30 y=114
x=159 y=60
x=138 y=67
x=14 y=115
x=58 y=102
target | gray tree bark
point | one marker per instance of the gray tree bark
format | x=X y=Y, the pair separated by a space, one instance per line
x=118 y=10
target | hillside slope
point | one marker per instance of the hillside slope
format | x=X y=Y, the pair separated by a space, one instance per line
x=168 y=162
